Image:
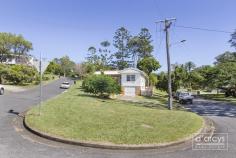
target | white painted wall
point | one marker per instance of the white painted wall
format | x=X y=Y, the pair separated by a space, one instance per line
x=10 y=61
x=124 y=81
x=142 y=82
x=139 y=80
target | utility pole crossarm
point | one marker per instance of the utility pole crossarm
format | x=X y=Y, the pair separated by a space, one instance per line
x=168 y=19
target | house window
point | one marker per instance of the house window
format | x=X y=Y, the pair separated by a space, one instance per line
x=130 y=78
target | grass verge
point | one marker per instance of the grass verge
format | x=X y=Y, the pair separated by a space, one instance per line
x=50 y=78
x=79 y=116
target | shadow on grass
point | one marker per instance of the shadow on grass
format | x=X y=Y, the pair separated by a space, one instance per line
x=102 y=99
x=157 y=101
x=135 y=103
x=80 y=88
x=163 y=99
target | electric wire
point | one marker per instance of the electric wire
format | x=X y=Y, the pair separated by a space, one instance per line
x=203 y=29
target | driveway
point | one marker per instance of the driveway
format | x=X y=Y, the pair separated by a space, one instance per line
x=16 y=142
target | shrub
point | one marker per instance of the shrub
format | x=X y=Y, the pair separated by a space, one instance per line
x=153 y=79
x=101 y=85
x=45 y=78
x=3 y=72
x=18 y=74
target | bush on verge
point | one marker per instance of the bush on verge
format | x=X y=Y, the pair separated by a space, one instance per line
x=17 y=74
x=101 y=85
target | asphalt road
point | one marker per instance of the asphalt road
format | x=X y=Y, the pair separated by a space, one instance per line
x=16 y=142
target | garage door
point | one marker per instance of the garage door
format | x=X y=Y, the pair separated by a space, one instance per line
x=129 y=91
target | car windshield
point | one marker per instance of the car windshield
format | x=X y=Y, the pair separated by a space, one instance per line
x=184 y=94
x=66 y=83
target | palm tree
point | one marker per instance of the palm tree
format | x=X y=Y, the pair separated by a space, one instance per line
x=189 y=66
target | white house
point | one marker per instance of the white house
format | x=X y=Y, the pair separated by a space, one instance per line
x=19 y=59
x=133 y=81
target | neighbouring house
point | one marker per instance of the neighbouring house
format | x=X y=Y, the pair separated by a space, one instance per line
x=13 y=59
x=133 y=81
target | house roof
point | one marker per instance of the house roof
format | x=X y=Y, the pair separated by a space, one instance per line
x=115 y=72
x=133 y=70
x=118 y=72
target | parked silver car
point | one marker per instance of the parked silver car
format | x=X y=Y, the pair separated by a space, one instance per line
x=185 y=97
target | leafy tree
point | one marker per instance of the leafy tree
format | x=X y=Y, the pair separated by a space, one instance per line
x=54 y=68
x=5 y=45
x=122 y=55
x=84 y=69
x=140 y=46
x=103 y=59
x=226 y=66
x=89 y=68
x=195 y=80
x=162 y=83
x=67 y=66
x=226 y=74
x=13 y=45
x=20 y=46
x=179 y=75
x=209 y=76
x=101 y=85
x=189 y=66
x=180 y=78
x=146 y=47
x=148 y=64
x=106 y=56
x=153 y=79
x=226 y=57
x=92 y=55
x=134 y=45
x=233 y=39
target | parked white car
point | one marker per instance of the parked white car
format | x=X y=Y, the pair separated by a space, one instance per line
x=65 y=85
x=1 y=90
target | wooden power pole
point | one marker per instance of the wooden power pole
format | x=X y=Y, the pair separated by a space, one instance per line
x=167 y=24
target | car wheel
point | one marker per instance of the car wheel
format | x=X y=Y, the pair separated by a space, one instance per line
x=1 y=91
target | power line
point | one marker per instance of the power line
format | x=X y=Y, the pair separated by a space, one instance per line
x=203 y=29
x=174 y=32
x=161 y=38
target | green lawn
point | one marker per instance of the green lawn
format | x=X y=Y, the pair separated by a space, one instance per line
x=79 y=116
x=219 y=97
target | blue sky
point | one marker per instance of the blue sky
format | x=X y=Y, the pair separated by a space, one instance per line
x=69 y=27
